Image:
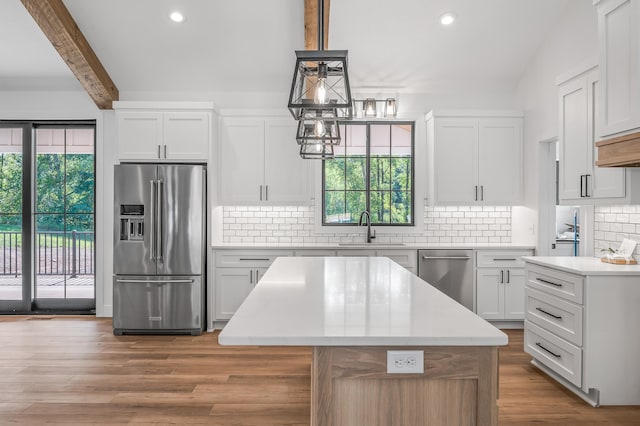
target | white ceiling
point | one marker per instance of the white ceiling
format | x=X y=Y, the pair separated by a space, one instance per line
x=248 y=45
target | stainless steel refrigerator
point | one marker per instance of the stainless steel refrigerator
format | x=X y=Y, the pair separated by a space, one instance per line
x=159 y=248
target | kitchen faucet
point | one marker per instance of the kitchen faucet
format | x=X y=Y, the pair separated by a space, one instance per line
x=369 y=235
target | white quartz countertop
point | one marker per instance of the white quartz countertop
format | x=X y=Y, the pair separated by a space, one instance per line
x=583 y=265
x=352 y=301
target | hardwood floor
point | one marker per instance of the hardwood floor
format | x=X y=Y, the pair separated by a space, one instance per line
x=72 y=370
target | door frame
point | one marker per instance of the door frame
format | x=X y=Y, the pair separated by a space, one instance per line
x=547 y=191
x=29 y=304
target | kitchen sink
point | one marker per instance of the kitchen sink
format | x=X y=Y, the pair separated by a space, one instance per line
x=369 y=244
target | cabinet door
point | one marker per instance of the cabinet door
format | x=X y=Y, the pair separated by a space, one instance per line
x=489 y=294
x=186 y=135
x=455 y=161
x=618 y=57
x=605 y=182
x=574 y=139
x=241 y=161
x=514 y=294
x=139 y=135
x=286 y=175
x=500 y=161
x=233 y=285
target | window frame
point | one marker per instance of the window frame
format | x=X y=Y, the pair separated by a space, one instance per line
x=368 y=123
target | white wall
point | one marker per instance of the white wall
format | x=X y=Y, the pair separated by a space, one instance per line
x=571 y=45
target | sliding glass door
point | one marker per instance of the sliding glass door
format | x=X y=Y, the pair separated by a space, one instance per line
x=56 y=257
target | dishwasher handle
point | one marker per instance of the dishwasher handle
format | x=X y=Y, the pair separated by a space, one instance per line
x=446 y=257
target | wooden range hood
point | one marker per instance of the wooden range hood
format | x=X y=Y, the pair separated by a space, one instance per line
x=623 y=151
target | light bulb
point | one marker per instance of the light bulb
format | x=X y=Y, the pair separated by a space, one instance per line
x=321 y=91
x=318 y=147
x=319 y=128
x=447 y=18
x=320 y=96
x=176 y=17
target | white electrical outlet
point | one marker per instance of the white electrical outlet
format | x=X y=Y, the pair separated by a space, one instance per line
x=405 y=362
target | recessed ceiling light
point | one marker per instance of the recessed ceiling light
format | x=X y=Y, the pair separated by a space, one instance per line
x=176 y=17
x=447 y=18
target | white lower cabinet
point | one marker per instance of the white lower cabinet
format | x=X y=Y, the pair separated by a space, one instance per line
x=233 y=285
x=236 y=274
x=237 y=271
x=580 y=328
x=500 y=284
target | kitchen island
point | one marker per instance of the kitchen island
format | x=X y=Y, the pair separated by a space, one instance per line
x=352 y=311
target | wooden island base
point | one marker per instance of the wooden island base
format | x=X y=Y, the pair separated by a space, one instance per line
x=350 y=386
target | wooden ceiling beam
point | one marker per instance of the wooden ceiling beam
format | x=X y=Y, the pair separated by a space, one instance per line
x=311 y=24
x=58 y=25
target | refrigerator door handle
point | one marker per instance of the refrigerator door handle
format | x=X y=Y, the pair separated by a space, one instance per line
x=159 y=200
x=152 y=242
x=154 y=281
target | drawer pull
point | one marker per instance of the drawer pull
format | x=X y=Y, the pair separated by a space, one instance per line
x=548 y=313
x=548 y=282
x=512 y=259
x=547 y=350
x=262 y=260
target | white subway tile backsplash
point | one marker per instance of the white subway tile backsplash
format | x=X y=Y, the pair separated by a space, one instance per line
x=613 y=223
x=442 y=225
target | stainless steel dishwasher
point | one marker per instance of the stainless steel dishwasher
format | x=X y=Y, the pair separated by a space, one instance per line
x=450 y=271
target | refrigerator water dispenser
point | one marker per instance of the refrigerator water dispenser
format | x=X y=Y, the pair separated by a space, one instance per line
x=131 y=222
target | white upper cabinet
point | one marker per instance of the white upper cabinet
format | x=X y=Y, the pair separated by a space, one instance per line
x=139 y=135
x=241 y=161
x=186 y=135
x=619 y=62
x=259 y=162
x=475 y=159
x=500 y=161
x=165 y=131
x=580 y=181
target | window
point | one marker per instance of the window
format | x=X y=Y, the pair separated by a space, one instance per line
x=372 y=170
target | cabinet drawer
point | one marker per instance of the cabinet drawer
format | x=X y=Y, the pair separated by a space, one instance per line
x=406 y=258
x=315 y=253
x=554 y=352
x=555 y=315
x=501 y=258
x=249 y=258
x=558 y=283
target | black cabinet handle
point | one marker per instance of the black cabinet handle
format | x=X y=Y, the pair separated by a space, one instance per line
x=501 y=277
x=508 y=277
x=549 y=313
x=586 y=186
x=581 y=186
x=547 y=350
x=548 y=282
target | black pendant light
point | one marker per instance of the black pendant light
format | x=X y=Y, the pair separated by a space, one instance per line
x=320 y=94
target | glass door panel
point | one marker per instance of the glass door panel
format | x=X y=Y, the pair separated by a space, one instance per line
x=64 y=218
x=12 y=293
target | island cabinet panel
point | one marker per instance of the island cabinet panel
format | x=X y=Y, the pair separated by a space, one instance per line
x=350 y=385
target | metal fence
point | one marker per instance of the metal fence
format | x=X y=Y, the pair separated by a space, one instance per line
x=57 y=253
